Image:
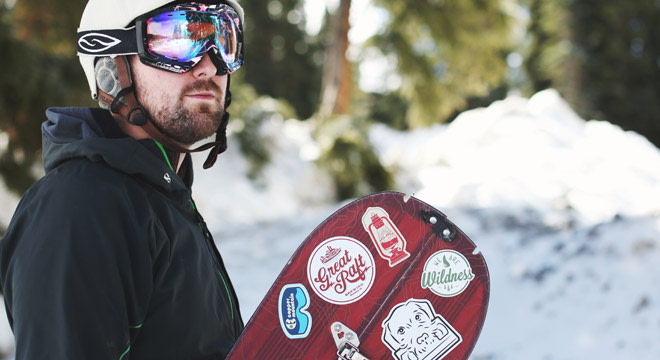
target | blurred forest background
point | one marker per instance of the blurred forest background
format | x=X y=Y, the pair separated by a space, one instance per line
x=442 y=57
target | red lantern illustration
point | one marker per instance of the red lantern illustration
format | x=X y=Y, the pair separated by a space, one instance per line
x=386 y=236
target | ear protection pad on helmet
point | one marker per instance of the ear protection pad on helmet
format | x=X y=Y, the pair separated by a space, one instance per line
x=107 y=78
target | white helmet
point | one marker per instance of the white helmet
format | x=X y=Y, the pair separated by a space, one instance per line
x=119 y=14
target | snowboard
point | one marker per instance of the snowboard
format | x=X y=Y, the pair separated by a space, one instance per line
x=385 y=277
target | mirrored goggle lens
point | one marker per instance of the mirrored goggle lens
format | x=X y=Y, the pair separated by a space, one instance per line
x=229 y=41
x=185 y=36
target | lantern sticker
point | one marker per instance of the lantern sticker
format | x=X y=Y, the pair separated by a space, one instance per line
x=387 y=238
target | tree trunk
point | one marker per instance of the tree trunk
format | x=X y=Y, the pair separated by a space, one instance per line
x=337 y=74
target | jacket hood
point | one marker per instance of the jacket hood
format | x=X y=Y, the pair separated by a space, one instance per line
x=70 y=133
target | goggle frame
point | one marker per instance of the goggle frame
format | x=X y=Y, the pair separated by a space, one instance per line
x=216 y=55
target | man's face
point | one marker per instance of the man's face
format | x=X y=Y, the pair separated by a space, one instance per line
x=185 y=107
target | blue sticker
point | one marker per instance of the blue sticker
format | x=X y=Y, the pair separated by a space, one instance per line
x=295 y=320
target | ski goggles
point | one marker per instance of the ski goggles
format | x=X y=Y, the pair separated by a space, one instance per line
x=175 y=38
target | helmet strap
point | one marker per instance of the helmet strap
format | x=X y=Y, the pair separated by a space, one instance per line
x=220 y=143
x=135 y=115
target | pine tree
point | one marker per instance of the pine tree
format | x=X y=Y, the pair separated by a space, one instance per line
x=336 y=91
x=447 y=52
x=604 y=58
x=38 y=76
x=48 y=24
x=618 y=52
x=280 y=56
x=550 y=46
x=342 y=131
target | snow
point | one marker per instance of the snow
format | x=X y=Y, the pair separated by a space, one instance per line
x=565 y=211
x=535 y=153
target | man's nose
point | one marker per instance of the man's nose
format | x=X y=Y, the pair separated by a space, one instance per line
x=205 y=68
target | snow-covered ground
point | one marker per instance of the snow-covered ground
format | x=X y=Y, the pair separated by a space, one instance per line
x=565 y=211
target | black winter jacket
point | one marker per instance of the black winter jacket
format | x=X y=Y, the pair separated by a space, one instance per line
x=106 y=256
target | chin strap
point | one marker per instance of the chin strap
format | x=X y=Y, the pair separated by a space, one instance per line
x=136 y=115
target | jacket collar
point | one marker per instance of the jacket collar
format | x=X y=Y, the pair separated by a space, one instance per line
x=70 y=133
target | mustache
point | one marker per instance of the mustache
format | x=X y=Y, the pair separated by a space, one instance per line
x=202 y=85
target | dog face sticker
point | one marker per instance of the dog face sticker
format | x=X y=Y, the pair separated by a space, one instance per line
x=414 y=331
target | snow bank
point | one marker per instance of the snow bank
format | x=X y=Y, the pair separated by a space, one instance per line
x=534 y=153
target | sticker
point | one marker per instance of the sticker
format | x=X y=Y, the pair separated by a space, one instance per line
x=341 y=270
x=447 y=273
x=386 y=236
x=413 y=330
x=296 y=322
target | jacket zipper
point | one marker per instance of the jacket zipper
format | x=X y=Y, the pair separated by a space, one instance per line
x=231 y=295
x=219 y=263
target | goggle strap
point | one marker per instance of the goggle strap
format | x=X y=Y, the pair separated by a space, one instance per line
x=107 y=42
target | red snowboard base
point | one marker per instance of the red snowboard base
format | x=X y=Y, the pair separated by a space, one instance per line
x=385 y=277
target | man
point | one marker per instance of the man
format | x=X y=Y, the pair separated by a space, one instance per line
x=106 y=256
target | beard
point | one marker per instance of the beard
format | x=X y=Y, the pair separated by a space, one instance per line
x=181 y=122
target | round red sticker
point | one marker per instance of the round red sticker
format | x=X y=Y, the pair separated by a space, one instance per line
x=341 y=270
